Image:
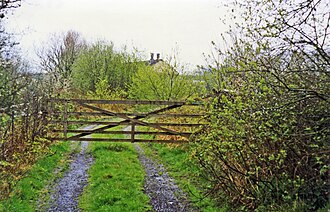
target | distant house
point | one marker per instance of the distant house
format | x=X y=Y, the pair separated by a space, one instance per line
x=154 y=61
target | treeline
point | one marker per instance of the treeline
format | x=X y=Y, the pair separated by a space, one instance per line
x=21 y=123
x=98 y=69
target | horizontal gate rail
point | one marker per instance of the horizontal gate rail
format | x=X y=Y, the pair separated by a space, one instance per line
x=126 y=102
x=120 y=140
x=130 y=114
x=127 y=118
x=122 y=132
x=151 y=124
x=170 y=132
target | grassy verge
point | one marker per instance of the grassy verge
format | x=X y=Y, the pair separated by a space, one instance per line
x=178 y=163
x=115 y=179
x=34 y=184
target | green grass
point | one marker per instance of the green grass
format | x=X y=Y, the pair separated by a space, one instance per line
x=115 y=179
x=33 y=185
x=178 y=164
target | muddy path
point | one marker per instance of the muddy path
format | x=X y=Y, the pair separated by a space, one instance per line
x=162 y=190
x=164 y=194
x=68 y=189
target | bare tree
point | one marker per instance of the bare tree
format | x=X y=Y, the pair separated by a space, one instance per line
x=57 y=59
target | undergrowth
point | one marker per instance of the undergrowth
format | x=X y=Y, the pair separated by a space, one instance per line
x=26 y=193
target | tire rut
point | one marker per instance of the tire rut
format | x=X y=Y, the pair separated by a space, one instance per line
x=164 y=194
x=68 y=189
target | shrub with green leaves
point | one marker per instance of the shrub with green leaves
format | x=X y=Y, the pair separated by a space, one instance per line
x=256 y=151
x=267 y=142
x=100 y=66
x=162 y=81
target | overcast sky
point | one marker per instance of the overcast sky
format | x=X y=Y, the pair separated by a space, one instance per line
x=150 y=25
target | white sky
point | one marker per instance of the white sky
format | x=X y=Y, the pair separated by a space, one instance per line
x=149 y=25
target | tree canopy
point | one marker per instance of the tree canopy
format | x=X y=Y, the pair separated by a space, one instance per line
x=162 y=81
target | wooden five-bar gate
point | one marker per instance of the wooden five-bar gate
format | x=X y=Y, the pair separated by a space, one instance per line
x=162 y=121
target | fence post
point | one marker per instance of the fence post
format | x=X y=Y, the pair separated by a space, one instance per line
x=65 y=120
x=132 y=132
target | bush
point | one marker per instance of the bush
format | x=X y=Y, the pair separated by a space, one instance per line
x=21 y=139
x=262 y=148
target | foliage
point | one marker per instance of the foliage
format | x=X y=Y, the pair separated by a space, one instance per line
x=101 y=66
x=26 y=193
x=162 y=81
x=267 y=142
x=22 y=129
x=258 y=154
x=22 y=120
x=12 y=82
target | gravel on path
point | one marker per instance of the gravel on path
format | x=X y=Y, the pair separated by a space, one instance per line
x=164 y=194
x=69 y=188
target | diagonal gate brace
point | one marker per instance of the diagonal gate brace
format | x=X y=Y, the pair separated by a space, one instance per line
x=127 y=118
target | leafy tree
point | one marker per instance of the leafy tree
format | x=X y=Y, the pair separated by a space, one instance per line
x=22 y=123
x=267 y=142
x=162 y=81
x=100 y=63
x=11 y=78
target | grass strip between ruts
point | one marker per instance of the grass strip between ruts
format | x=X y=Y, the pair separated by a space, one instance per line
x=116 y=179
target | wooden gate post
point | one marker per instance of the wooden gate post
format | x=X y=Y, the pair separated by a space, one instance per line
x=65 y=120
x=132 y=132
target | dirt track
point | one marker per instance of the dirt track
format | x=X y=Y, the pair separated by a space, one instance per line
x=69 y=188
x=159 y=186
x=164 y=194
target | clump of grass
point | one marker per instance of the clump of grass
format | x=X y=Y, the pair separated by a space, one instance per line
x=115 y=180
x=27 y=191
